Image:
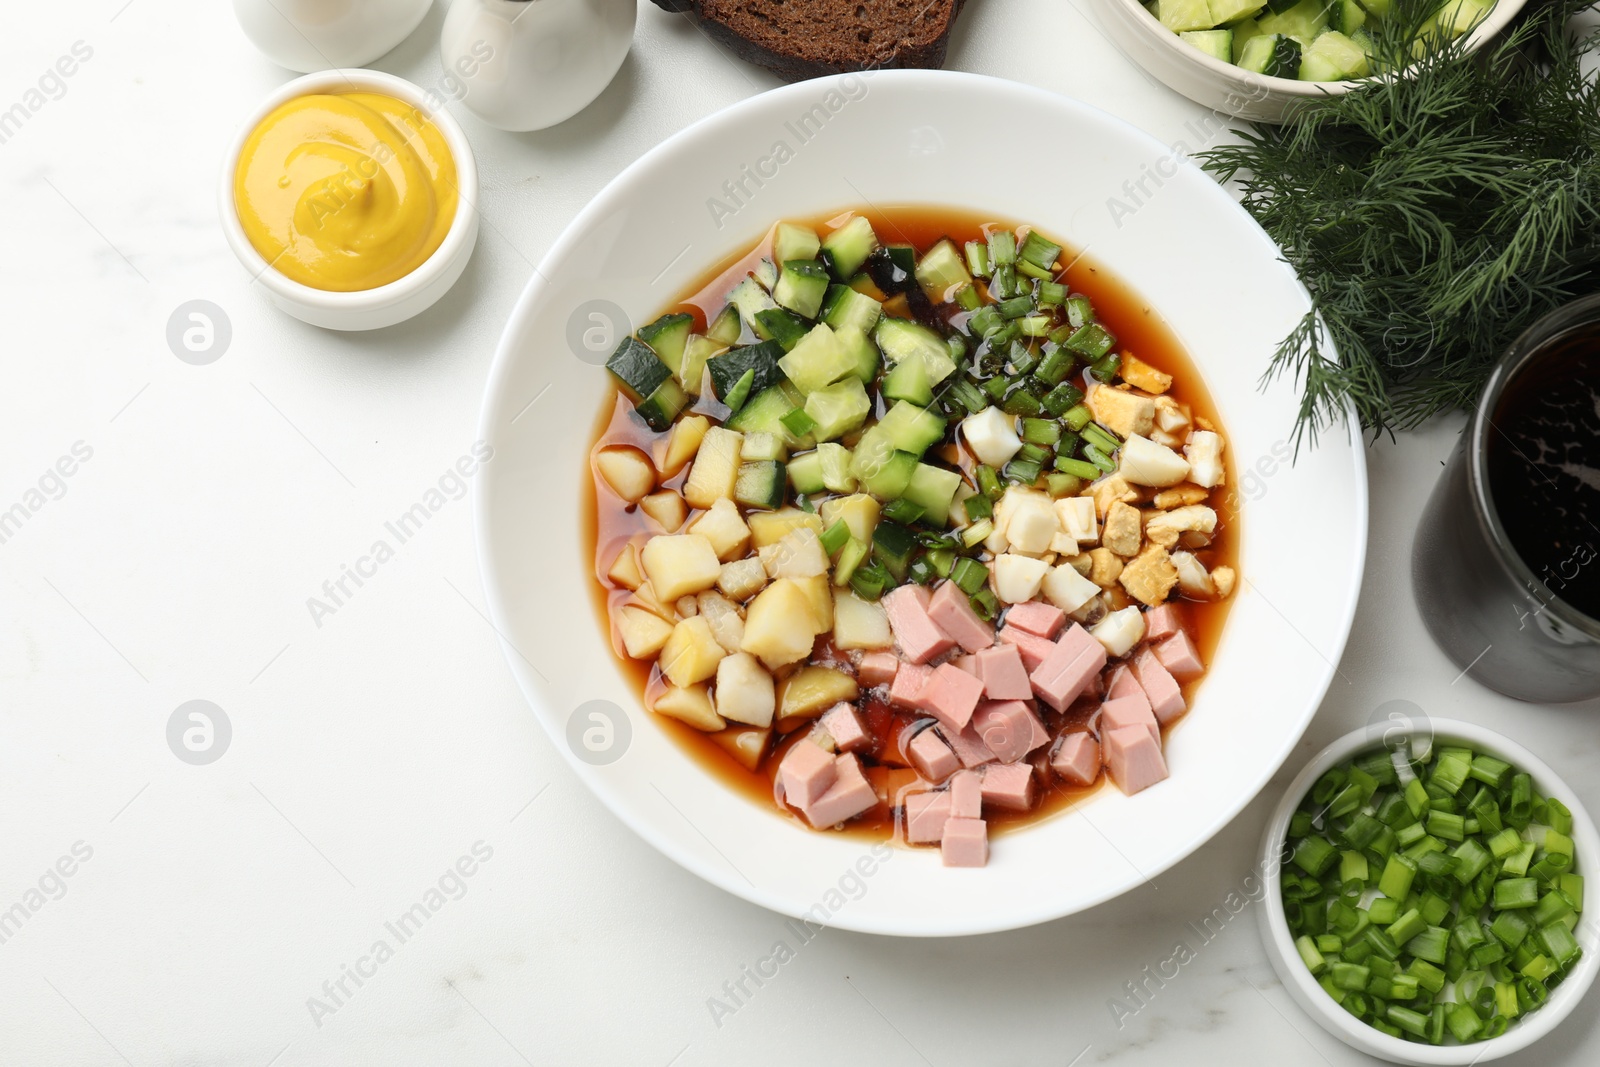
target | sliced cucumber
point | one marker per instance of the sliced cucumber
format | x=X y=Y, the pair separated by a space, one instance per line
x=910 y=428
x=1181 y=15
x=1218 y=44
x=887 y=479
x=785 y=326
x=1304 y=20
x=805 y=473
x=1244 y=31
x=802 y=285
x=908 y=380
x=1349 y=16
x=726 y=329
x=760 y=485
x=667 y=336
x=728 y=368
x=661 y=407
x=893 y=546
x=701 y=347
x=638 y=368
x=845 y=249
x=1378 y=9
x=759 y=446
x=1333 y=57
x=839 y=409
x=751 y=300
x=844 y=306
x=863 y=352
x=901 y=339
x=941 y=272
x=1457 y=16
x=933 y=489
x=764 y=414
x=818 y=360
x=792 y=241
x=1224 y=12
x=1271 y=54
x=836 y=476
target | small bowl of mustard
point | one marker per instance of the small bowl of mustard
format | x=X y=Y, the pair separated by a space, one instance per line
x=351 y=197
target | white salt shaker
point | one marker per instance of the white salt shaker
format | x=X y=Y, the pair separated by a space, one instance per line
x=310 y=35
x=529 y=64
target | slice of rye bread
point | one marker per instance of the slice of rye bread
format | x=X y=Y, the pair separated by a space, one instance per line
x=799 y=39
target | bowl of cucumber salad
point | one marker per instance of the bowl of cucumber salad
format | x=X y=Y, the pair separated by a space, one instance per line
x=1258 y=59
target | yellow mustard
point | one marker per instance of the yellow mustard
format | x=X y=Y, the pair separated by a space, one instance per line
x=346 y=191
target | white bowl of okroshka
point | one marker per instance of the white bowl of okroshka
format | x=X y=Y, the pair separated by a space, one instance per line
x=862 y=506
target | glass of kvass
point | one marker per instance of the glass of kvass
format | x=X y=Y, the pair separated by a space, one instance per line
x=1506 y=563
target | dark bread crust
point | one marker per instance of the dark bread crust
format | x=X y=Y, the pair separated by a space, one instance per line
x=799 y=39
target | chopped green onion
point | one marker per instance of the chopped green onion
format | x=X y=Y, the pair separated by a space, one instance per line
x=1002 y=247
x=977 y=259
x=1512 y=893
x=798 y=422
x=835 y=537
x=978 y=507
x=969 y=575
x=1077 y=417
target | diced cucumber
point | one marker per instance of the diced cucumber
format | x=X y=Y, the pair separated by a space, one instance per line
x=805 y=473
x=759 y=446
x=764 y=414
x=1271 y=54
x=1244 y=31
x=728 y=368
x=663 y=405
x=901 y=339
x=802 y=285
x=792 y=241
x=1181 y=15
x=910 y=428
x=760 y=485
x=845 y=249
x=904 y=258
x=941 y=272
x=836 y=476
x=726 y=329
x=1378 y=9
x=889 y=479
x=932 y=489
x=737 y=393
x=839 y=409
x=782 y=325
x=638 y=368
x=893 y=546
x=863 y=353
x=766 y=273
x=1350 y=16
x=750 y=299
x=844 y=306
x=851 y=556
x=1218 y=44
x=1458 y=16
x=908 y=380
x=701 y=347
x=667 y=337
x=1224 y=12
x=1304 y=20
x=818 y=360
x=1333 y=57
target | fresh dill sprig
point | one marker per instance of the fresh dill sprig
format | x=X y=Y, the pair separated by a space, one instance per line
x=1432 y=216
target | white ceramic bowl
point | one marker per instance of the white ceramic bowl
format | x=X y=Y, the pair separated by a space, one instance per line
x=367 y=309
x=1296 y=978
x=1223 y=87
x=306 y=35
x=908 y=137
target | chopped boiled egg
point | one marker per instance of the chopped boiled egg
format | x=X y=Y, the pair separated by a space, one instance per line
x=1067 y=589
x=1120 y=630
x=1146 y=463
x=992 y=436
x=1032 y=524
x=1076 y=516
x=1205 y=458
x=1017 y=578
x=1164 y=527
x=1193 y=578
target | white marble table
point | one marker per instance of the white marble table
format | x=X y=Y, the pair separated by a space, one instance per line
x=370 y=753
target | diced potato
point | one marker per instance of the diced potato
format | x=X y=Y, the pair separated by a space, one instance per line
x=1120 y=631
x=798 y=554
x=1017 y=578
x=859 y=623
x=1067 y=589
x=687 y=606
x=627 y=471
x=1164 y=527
x=727 y=624
x=1141 y=375
x=859 y=513
x=691 y=654
x=770 y=527
x=1143 y=462
x=725 y=528
x=682 y=443
x=810 y=691
x=625 y=568
x=1122 y=412
x=679 y=564
x=666 y=507
x=819 y=594
x=761 y=446
x=691 y=705
x=1123 y=532
x=716 y=468
x=1150 y=576
x=1105 y=567
x=1205 y=458
x=645 y=597
x=746 y=744
x=644 y=633
x=742 y=579
x=780 y=625
x=745 y=692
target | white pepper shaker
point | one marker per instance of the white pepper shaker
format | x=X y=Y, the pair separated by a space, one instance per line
x=529 y=64
x=308 y=35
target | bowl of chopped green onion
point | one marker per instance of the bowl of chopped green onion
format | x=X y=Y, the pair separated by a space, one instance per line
x=1431 y=894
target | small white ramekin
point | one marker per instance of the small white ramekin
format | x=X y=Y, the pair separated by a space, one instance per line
x=1296 y=977
x=366 y=309
x=1223 y=87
